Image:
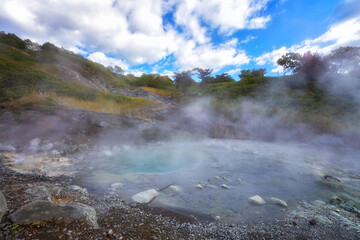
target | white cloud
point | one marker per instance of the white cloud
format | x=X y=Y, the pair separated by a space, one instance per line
x=234 y=71
x=248 y=39
x=135 y=30
x=100 y=57
x=344 y=33
x=209 y=56
x=227 y=15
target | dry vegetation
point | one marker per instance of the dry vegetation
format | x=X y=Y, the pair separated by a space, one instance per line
x=136 y=107
x=163 y=93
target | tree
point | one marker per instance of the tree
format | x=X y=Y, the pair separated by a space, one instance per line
x=252 y=73
x=223 y=78
x=245 y=74
x=183 y=79
x=49 y=47
x=204 y=75
x=289 y=61
x=118 y=70
x=258 y=72
x=311 y=65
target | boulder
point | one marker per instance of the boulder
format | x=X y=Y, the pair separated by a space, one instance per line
x=279 y=202
x=3 y=205
x=145 y=197
x=45 y=210
x=256 y=199
x=40 y=193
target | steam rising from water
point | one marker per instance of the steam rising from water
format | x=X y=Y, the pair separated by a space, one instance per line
x=287 y=171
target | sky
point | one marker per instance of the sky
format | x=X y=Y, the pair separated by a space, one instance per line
x=164 y=36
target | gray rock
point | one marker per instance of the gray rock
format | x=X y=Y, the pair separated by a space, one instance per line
x=144 y=197
x=45 y=210
x=78 y=189
x=199 y=186
x=175 y=188
x=256 y=199
x=224 y=186
x=3 y=205
x=40 y=193
x=279 y=202
x=86 y=210
x=102 y=124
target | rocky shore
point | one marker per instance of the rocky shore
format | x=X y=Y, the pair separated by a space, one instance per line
x=40 y=207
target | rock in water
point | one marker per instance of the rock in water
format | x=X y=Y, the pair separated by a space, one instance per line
x=199 y=186
x=257 y=200
x=45 y=210
x=3 y=205
x=278 y=202
x=144 y=197
x=175 y=188
x=224 y=186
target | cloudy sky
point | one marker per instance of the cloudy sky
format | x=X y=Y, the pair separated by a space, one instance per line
x=163 y=36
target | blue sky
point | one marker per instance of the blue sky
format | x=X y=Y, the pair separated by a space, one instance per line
x=161 y=36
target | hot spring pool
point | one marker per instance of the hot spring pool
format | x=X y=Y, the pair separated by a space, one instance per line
x=290 y=172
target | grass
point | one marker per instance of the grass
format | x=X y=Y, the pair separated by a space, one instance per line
x=163 y=93
x=132 y=107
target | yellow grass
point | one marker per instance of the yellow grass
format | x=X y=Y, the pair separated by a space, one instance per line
x=163 y=93
x=136 y=107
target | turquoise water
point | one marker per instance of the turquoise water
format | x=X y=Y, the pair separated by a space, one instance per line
x=151 y=159
x=287 y=171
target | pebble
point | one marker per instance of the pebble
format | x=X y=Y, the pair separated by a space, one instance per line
x=313 y=222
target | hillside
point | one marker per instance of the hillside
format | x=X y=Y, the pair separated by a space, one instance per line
x=32 y=75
